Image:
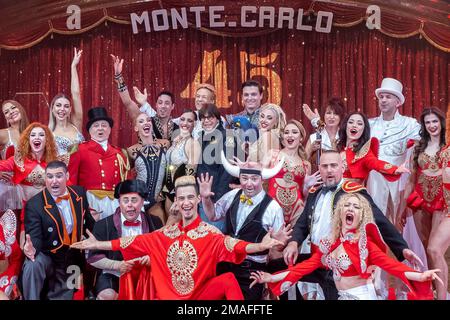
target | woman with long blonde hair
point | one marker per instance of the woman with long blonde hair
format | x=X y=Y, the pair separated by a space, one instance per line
x=354 y=245
x=66 y=120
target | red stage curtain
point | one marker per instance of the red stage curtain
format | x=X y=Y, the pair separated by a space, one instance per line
x=295 y=67
x=49 y=16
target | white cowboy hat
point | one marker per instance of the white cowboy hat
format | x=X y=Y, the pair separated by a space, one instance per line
x=393 y=86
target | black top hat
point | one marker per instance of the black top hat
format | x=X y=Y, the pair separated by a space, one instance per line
x=96 y=114
x=129 y=186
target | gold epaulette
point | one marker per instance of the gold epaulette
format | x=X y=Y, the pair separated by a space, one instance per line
x=351 y=187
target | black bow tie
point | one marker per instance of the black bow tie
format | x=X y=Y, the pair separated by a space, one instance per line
x=325 y=189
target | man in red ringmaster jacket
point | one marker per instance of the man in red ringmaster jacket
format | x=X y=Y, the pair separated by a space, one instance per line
x=99 y=166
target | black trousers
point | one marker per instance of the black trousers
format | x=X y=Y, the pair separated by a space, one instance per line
x=321 y=276
x=242 y=273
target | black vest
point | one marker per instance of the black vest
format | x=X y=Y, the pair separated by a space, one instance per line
x=252 y=229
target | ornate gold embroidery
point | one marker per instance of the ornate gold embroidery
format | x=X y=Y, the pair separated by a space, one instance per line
x=447 y=197
x=171 y=231
x=202 y=231
x=344 y=160
x=292 y=169
x=445 y=157
x=430 y=186
x=36 y=177
x=126 y=241
x=427 y=162
x=286 y=196
x=387 y=166
x=9 y=224
x=362 y=152
x=182 y=262
x=230 y=243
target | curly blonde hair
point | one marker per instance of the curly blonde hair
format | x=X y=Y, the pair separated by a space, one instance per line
x=24 y=148
x=365 y=213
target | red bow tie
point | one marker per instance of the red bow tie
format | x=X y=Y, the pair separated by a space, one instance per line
x=64 y=197
x=136 y=223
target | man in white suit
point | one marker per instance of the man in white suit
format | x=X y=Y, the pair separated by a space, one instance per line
x=393 y=130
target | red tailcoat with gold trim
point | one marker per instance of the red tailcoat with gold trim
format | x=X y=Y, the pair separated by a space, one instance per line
x=183 y=260
x=359 y=164
x=96 y=169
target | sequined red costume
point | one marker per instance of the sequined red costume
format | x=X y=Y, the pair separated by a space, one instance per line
x=28 y=173
x=10 y=254
x=445 y=163
x=360 y=253
x=359 y=164
x=428 y=192
x=183 y=261
x=290 y=198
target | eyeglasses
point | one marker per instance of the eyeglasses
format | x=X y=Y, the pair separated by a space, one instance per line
x=209 y=118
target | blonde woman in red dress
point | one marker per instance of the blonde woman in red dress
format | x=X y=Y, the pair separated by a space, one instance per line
x=287 y=187
x=354 y=245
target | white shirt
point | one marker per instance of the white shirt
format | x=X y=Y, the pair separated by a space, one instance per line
x=321 y=219
x=326 y=141
x=128 y=231
x=272 y=217
x=65 y=211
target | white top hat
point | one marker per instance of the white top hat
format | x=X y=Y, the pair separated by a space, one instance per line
x=393 y=86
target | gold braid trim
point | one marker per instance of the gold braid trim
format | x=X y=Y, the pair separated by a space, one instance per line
x=447 y=194
x=350 y=187
x=124 y=165
x=126 y=241
x=230 y=243
x=362 y=152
